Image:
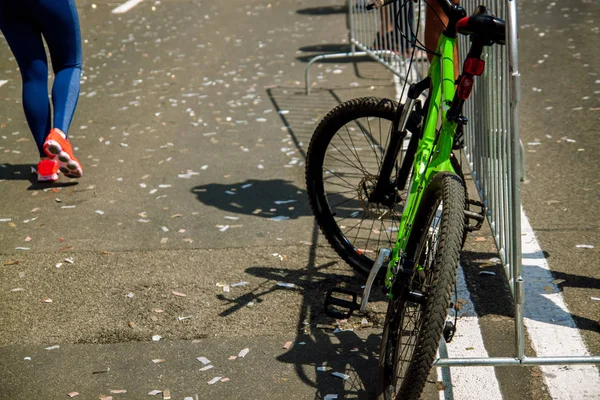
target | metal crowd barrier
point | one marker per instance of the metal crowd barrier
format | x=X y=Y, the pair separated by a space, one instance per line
x=495 y=155
x=373 y=33
x=493 y=146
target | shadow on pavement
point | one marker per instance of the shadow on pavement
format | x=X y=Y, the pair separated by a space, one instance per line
x=491 y=294
x=327 y=48
x=344 y=352
x=18 y=172
x=326 y=10
x=23 y=172
x=266 y=199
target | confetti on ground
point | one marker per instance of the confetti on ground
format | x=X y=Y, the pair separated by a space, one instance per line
x=118 y=391
x=243 y=352
x=73 y=394
x=287 y=345
x=280 y=218
x=100 y=212
x=284 y=284
x=179 y=294
x=46 y=300
x=225 y=380
x=166 y=394
x=279 y=202
x=130 y=295
x=330 y=397
x=184 y=318
x=215 y=380
x=22 y=248
x=17 y=289
x=595 y=298
x=584 y=246
x=158 y=360
x=487 y=273
x=203 y=360
x=154 y=392
x=156 y=338
x=340 y=375
x=207 y=368
x=69 y=260
x=322 y=369
x=238 y=284
x=53 y=347
x=103 y=397
x=232 y=358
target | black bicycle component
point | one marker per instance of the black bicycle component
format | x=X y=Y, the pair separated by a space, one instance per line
x=478 y=216
x=416 y=296
x=350 y=306
x=483 y=25
x=459 y=136
x=449 y=331
x=455 y=13
x=382 y=192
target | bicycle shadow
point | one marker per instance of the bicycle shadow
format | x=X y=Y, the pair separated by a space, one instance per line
x=261 y=198
x=317 y=351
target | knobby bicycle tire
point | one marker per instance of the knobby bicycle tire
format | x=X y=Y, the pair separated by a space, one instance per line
x=435 y=278
x=337 y=140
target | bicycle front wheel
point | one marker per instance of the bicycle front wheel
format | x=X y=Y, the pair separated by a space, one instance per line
x=343 y=163
x=416 y=316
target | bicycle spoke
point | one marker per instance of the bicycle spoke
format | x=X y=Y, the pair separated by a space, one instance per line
x=350 y=164
x=332 y=172
x=379 y=162
x=354 y=146
x=343 y=202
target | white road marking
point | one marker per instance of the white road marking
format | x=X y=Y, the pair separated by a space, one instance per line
x=128 y=5
x=467 y=382
x=551 y=327
x=2 y=82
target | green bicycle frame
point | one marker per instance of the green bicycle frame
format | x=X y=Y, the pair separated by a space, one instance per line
x=434 y=149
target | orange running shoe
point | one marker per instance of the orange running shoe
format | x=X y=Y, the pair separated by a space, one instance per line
x=57 y=146
x=47 y=171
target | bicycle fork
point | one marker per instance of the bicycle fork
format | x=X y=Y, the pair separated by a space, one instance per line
x=382 y=188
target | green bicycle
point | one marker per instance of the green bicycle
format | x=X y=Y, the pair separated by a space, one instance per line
x=411 y=184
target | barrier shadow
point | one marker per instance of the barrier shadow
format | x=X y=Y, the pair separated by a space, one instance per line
x=325 y=10
x=491 y=293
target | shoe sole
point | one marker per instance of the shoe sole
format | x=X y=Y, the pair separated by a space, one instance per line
x=47 y=178
x=67 y=165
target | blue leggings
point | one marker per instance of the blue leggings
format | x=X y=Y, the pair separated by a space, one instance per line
x=23 y=23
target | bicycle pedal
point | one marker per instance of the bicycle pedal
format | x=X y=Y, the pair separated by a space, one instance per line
x=334 y=305
x=477 y=215
x=449 y=331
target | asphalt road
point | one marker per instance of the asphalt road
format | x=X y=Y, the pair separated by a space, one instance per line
x=192 y=128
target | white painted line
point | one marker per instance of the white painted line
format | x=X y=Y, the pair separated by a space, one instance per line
x=2 y=82
x=551 y=327
x=467 y=382
x=128 y=5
